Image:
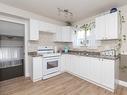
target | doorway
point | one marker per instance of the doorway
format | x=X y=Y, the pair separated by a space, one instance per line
x=12 y=47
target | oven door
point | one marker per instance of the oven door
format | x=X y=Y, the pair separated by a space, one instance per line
x=51 y=65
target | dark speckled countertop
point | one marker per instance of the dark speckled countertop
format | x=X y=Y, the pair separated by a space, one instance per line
x=81 y=53
x=92 y=54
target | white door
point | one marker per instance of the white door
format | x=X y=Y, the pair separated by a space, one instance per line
x=100 y=27
x=37 y=68
x=66 y=34
x=71 y=67
x=68 y=64
x=112 y=26
x=108 y=73
x=76 y=64
x=84 y=65
x=63 y=62
x=95 y=70
x=58 y=34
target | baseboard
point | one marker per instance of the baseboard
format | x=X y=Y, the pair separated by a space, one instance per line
x=90 y=81
x=122 y=83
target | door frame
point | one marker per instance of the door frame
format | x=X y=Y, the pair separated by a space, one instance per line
x=18 y=20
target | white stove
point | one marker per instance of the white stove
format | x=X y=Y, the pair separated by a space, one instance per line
x=51 y=61
x=47 y=52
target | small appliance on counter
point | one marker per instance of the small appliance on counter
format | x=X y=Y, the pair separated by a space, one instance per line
x=66 y=49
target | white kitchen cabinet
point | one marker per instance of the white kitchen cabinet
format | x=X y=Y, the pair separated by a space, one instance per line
x=74 y=63
x=107 y=26
x=88 y=68
x=65 y=62
x=100 y=30
x=63 y=34
x=96 y=70
x=85 y=66
x=68 y=65
x=66 y=34
x=47 y=27
x=112 y=26
x=58 y=35
x=107 y=70
x=36 y=69
x=34 y=30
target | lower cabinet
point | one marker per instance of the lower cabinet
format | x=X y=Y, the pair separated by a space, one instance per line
x=99 y=71
x=36 y=69
x=108 y=73
x=63 y=62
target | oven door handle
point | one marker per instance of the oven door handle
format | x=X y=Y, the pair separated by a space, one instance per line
x=53 y=58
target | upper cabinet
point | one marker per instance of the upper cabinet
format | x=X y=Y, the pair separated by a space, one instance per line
x=63 y=34
x=47 y=27
x=38 y=26
x=67 y=34
x=107 y=26
x=58 y=34
x=34 y=30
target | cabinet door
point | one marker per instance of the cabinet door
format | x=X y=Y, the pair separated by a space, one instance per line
x=66 y=34
x=63 y=62
x=71 y=67
x=34 y=29
x=95 y=70
x=37 y=68
x=58 y=34
x=76 y=64
x=112 y=28
x=84 y=65
x=100 y=28
x=68 y=65
x=108 y=73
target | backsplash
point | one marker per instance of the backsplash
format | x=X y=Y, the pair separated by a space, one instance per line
x=46 y=39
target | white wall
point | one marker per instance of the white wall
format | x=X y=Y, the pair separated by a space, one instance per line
x=124 y=30
x=25 y=14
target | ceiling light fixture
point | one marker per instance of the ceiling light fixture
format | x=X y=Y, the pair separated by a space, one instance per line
x=65 y=12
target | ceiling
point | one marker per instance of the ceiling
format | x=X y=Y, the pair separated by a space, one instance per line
x=81 y=9
x=12 y=29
